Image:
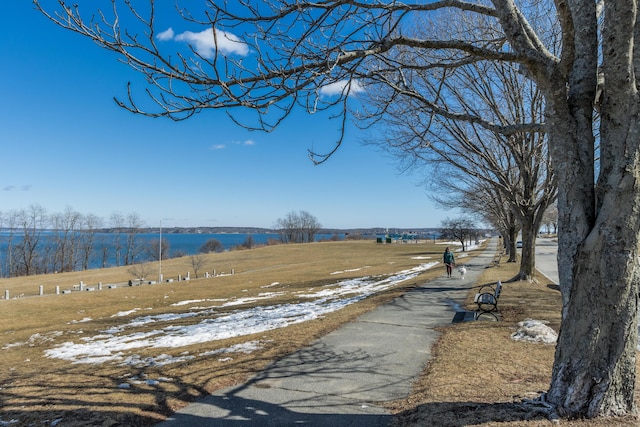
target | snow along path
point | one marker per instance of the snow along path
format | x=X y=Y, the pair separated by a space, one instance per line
x=119 y=343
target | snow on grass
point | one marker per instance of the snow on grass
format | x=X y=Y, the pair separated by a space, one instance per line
x=161 y=360
x=125 y=313
x=349 y=271
x=271 y=285
x=84 y=320
x=115 y=344
x=196 y=301
x=35 y=339
x=249 y=300
x=534 y=331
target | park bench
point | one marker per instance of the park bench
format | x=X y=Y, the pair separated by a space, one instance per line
x=487 y=297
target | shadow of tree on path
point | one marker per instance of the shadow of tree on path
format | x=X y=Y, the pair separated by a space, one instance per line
x=459 y=414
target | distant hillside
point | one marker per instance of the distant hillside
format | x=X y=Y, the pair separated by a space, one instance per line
x=258 y=230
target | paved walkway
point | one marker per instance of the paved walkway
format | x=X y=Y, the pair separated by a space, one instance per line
x=338 y=379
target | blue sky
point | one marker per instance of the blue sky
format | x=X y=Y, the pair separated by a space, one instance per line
x=65 y=143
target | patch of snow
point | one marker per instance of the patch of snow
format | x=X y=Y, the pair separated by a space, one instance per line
x=35 y=339
x=86 y=319
x=161 y=360
x=125 y=313
x=271 y=285
x=193 y=301
x=248 y=300
x=110 y=345
x=350 y=270
x=534 y=331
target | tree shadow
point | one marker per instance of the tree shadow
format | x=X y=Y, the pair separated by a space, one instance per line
x=460 y=414
x=304 y=387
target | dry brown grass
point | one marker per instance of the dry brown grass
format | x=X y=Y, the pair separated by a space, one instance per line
x=34 y=388
x=479 y=376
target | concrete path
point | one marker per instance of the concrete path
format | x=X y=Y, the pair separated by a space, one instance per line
x=341 y=377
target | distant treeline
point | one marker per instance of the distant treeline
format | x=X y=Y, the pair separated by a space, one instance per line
x=33 y=241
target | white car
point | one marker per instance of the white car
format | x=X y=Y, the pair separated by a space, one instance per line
x=519 y=244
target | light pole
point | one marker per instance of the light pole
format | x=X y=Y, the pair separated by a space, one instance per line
x=160 y=255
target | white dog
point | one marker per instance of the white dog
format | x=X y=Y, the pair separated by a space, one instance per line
x=462 y=271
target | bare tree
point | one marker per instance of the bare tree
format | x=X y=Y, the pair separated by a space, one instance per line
x=310 y=226
x=133 y=247
x=140 y=271
x=271 y=57
x=197 y=262
x=9 y=223
x=460 y=229
x=65 y=239
x=550 y=219
x=92 y=224
x=249 y=243
x=117 y=227
x=32 y=223
x=484 y=200
x=155 y=247
x=298 y=227
x=517 y=165
x=211 y=245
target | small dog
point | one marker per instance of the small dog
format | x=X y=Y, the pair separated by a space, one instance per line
x=462 y=271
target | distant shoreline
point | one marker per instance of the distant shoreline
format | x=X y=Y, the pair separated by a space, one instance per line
x=259 y=230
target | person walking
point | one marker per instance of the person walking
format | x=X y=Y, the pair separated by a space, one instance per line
x=449 y=261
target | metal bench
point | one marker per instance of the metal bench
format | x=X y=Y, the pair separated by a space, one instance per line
x=487 y=297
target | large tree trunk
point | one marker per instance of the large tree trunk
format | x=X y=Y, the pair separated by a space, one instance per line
x=528 y=258
x=510 y=245
x=595 y=367
x=594 y=370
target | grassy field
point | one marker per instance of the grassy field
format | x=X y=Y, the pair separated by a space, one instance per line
x=479 y=375
x=35 y=388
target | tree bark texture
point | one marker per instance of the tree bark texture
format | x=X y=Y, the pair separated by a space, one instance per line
x=594 y=371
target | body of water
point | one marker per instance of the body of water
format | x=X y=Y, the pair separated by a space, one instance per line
x=104 y=246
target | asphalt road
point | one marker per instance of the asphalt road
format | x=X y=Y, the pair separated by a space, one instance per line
x=547 y=263
x=547 y=258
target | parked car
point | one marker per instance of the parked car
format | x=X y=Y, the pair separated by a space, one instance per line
x=519 y=244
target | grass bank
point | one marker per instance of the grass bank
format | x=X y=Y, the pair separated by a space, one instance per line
x=480 y=376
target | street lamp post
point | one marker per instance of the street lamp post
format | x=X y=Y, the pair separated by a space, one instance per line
x=160 y=255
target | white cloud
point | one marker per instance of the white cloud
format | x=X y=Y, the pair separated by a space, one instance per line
x=24 y=187
x=205 y=44
x=166 y=35
x=337 y=88
x=217 y=147
x=248 y=142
